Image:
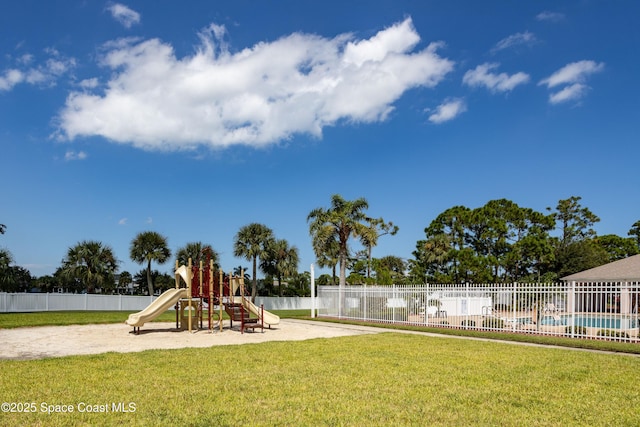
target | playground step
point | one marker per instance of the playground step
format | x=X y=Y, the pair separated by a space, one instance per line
x=237 y=313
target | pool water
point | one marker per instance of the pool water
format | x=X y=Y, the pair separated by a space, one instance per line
x=604 y=322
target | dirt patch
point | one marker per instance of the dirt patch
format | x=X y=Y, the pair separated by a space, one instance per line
x=57 y=341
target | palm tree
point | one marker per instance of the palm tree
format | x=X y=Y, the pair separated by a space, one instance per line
x=241 y=271
x=280 y=260
x=5 y=258
x=340 y=222
x=5 y=270
x=437 y=249
x=124 y=280
x=376 y=228
x=149 y=246
x=90 y=262
x=327 y=254
x=197 y=251
x=250 y=243
x=434 y=253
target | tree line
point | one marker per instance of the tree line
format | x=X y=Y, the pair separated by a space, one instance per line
x=495 y=243
x=504 y=242
x=499 y=242
x=90 y=266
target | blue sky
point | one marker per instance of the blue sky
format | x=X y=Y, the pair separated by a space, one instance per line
x=196 y=118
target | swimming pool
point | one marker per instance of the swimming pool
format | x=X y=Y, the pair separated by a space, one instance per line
x=591 y=321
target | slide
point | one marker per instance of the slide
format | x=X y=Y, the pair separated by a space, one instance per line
x=161 y=304
x=269 y=318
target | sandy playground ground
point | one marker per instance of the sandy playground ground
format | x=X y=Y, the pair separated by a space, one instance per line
x=57 y=341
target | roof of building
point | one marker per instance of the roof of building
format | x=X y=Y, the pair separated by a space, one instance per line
x=627 y=269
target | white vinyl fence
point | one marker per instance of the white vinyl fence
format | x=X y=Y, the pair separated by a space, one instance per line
x=284 y=303
x=30 y=302
x=602 y=310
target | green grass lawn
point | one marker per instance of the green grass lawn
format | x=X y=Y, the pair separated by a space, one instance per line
x=384 y=379
x=61 y=318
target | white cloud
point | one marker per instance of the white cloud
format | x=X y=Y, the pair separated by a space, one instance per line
x=403 y=38
x=517 y=39
x=449 y=110
x=574 y=75
x=89 y=83
x=569 y=93
x=576 y=72
x=149 y=220
x=260 y=95
x=25 y=59
x=72 y=155
x=57 y=67
x=482 y=76
x=124 y=15
x=11 y=78
x=37 y=76
x=123 y=221
x=550 y=16
x=45 y=74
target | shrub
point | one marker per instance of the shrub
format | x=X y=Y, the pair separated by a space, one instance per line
x=493 y=322
x=577 y=330
x=612 y=333
x=468 y=323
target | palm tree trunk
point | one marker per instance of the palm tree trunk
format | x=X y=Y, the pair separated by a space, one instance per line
x=254 y=285
x=343 y=282
x=149 y=281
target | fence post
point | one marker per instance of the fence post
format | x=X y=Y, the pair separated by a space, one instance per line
x=340 y=297
x=625 y=306
x=467 y=307
x=572 y=308
x=365 y=301
x=513 y=306
x=393 y=303
x=426 y=304
x=313 y=292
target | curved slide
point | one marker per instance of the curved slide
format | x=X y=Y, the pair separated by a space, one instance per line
x=161 y=304
x=269 y=318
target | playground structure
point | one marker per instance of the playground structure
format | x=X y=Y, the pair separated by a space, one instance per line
x=206 y=290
